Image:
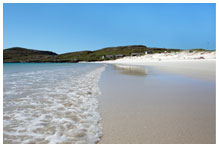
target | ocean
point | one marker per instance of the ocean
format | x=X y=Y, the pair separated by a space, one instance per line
x=51 y=102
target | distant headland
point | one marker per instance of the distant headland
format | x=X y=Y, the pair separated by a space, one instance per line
x=24 y=55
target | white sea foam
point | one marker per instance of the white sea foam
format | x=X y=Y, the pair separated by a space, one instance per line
x=52 y=107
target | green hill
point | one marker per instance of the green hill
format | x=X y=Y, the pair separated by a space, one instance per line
x=18 y=54
x=98 y=54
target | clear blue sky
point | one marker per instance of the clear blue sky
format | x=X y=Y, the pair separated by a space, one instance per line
x=74 y=27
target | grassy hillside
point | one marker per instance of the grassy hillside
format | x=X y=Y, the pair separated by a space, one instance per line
x=18 y=54
x=97 y=55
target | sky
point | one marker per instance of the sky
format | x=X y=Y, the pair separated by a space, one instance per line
x=72 y=27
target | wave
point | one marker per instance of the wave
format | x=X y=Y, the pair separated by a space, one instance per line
x=52 y=107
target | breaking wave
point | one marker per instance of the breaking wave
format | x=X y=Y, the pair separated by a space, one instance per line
x=56 y=106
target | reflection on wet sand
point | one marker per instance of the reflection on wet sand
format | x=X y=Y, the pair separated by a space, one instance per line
x=131 y=70
x=159 y=108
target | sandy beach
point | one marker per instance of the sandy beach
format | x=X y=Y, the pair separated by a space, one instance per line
x=151 y=101
x=108 y=73
x=183 y=63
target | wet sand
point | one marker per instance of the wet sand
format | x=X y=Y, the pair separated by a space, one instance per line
x=199 y=69
x=141 y=105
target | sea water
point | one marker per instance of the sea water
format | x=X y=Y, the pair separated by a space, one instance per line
x=51 y=102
